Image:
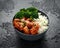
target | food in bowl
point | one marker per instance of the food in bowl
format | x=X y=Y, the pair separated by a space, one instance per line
x=30 y=21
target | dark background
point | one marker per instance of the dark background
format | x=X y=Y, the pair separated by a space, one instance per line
x=8 y=36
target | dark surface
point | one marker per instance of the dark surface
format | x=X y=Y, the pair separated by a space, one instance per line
x=8 y=36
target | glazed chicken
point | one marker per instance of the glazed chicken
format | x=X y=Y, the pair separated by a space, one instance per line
x=26 y=25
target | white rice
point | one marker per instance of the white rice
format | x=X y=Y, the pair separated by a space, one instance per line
x=43 y=22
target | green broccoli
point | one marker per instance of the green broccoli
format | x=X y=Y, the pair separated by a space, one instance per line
x=30 y=12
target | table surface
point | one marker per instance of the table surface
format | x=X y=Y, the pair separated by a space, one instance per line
x=8 y=36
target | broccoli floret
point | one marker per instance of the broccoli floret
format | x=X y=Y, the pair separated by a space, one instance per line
x=28 y=13
x=32 y=9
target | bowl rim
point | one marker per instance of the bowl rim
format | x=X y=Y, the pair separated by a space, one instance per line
x=42 y=13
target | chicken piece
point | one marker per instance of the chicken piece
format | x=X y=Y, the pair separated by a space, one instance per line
x=34 y=29
x=29 y=19
x=17 y=20
x=21 y=25
x=16 y=25
x=29 y=24
x=23 y=19
x=37 y=26
x=26 y=30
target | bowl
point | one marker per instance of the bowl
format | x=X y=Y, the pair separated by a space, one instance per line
x=32 y=37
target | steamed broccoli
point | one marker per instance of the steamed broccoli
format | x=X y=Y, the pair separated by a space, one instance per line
x=28 y=13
